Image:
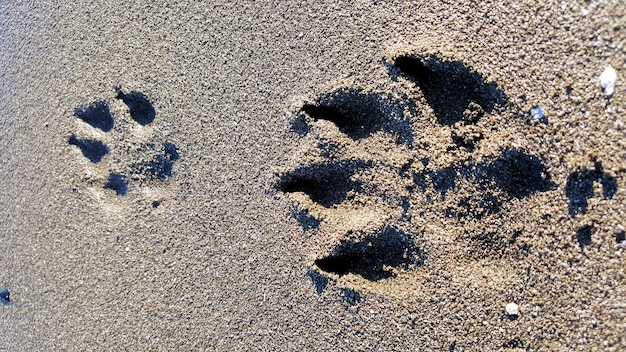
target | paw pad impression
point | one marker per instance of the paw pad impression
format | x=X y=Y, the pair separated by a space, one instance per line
x=468 y=185
x=134 y=161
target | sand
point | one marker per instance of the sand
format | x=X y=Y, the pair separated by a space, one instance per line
x=314 y=176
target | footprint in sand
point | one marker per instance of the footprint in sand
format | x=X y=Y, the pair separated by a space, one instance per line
x=356 y=196
x=123 y=151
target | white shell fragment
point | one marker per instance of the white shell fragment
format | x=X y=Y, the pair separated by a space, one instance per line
x=607 y=81
x=512 y=309
x=536 y=112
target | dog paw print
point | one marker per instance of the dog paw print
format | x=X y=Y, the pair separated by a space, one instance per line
x=121 y=147
x=580 y=187
x=583 y=184
x=375 y=166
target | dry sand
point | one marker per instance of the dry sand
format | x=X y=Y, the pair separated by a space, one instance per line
x=345 y=175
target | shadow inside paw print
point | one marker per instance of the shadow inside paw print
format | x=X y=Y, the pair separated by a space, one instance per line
x=318 y=280
x=357 y=114
x=350 y=298
x=141 y=110
x=583 y=236
x=118 y=183
x=514 y=172
x=453 y=91
x=496 y=179
x=148 y=162
x=474 y=186
x=373 y=257
x=97 y=115
x=91 y=149
x=326 y=184
x=160 y=167
x=306 y=220
x=579 y=187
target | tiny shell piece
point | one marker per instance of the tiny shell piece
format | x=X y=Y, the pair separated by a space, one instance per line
x=512 y=309
x=607 y=81
x=536 y=112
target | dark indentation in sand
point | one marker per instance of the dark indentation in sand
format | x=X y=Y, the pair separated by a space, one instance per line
x=141 y=109
x=452 y=347
x=171 y=150
x=404 y=170
x=454 y=91
x=419 y=180
x=118 y=183
x=160 y=167
x=444 y=179
x=620 y=237
x=465 y=137
x=406 y=205
x=514 y=172
x=97 y=115
x=373 y=256
x=583 y=236
x=319 y=281
x=579 y=187
x=300 y=125
x=514 y=343
x=306 y=220
x=514 y=236
x=358 y=114
x=350 y=296
x=326 y=184
x=5 y=296
x=91 y=149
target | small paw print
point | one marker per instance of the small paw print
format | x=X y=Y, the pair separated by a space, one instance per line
x=127 y=150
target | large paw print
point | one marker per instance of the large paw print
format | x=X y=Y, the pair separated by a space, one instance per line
x=130 y=153
x=377 y=168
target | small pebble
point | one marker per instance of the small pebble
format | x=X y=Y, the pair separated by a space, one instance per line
x=512 y=309
x=5 y=294
x=537 y=113
x=607 y=81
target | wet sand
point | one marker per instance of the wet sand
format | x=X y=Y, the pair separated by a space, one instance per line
x=321 y=176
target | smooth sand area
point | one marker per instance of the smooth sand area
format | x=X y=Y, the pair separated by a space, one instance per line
x=312 y=175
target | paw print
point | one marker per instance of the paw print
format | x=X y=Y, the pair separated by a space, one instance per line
x=375 y=171
x=126 y=150
x=580 y=183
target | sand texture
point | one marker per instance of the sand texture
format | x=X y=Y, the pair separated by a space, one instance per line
x=315 y=175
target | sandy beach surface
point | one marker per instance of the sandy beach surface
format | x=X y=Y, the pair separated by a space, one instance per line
x=314 y=175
